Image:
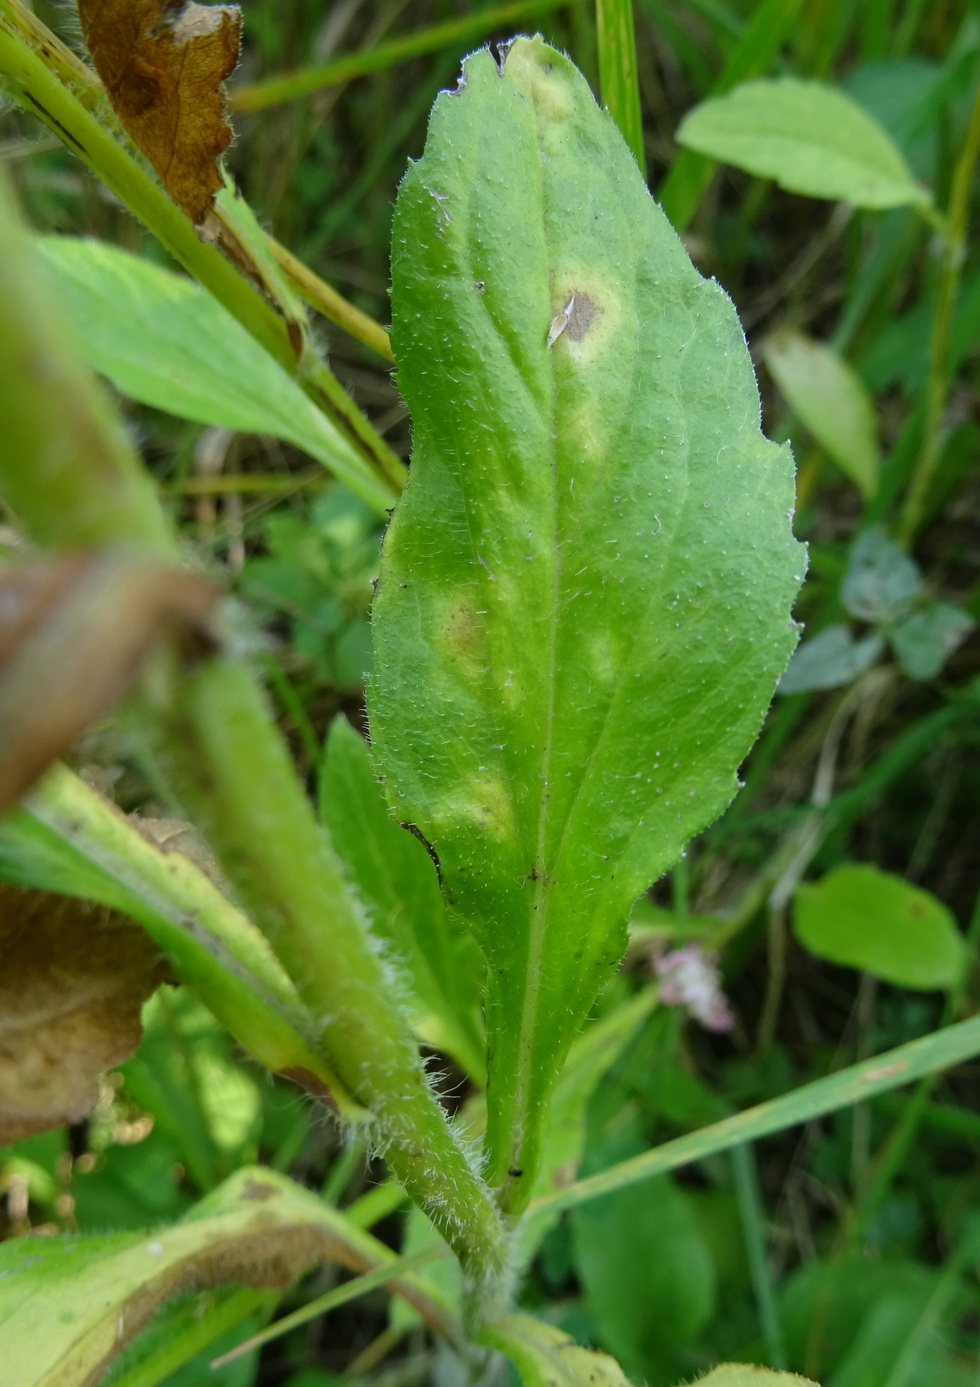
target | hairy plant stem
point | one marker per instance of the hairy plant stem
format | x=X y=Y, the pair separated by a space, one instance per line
x=938 y=383
x=75 y=482
x=61 y=93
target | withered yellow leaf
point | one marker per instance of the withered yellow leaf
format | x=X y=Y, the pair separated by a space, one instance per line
x=163 y=66
x=73 y=977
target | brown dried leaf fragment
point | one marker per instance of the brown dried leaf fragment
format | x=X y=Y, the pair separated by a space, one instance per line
x=73 y=977
x=163 y=65
x=73 y=632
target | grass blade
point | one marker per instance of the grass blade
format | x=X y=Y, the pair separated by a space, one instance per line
x=617 y=71
x=293 y=85
x=859 y=1082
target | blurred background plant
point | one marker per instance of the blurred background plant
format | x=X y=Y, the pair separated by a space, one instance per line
x=840 y=891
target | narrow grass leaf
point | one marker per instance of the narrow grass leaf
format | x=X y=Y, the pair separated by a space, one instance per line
x=584 y=597
x=830 y=399
x=809 y=137
x=618 y=76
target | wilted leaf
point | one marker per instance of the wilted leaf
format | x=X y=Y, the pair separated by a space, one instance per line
x=865 y=918
x=73 y=977
x=830 y=659
x=830 y=399
x=585 y=590
x=809 y=137
x=73 y=632
x=68 y=1306
x=548 y=1357
x=163 y=63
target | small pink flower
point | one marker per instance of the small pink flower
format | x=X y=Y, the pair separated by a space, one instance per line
x=689 y=978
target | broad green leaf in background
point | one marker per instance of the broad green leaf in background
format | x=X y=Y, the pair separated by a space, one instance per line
x=646 y=1268
x=396 y=879
x=865 y=918
x=830 y=659
x=584 y=596
x=809 y=137
x=69 y=1305
x=164 y=341
x=923 y=641
x=882 y=582
x=831 y=401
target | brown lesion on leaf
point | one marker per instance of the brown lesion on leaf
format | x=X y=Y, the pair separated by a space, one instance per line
x=583 y=314
x=73 y=976
x=163 y=65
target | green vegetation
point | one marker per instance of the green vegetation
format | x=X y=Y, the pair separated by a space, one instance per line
x=508 y=910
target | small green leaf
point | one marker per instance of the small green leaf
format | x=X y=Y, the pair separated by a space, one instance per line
x=810 y=138
x=831 y=401
x=70 y=1305
x=865 y=918
x=396 y=879
x=923 y=641
x=745 y=1375
x=162 y=340
x=584 y=597
x=881 y=582
x=548 y=1357
x=829 y=660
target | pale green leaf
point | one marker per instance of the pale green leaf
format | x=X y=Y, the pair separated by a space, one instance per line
x=865 y=918
x=830 y=659
x=164 y=341
x=924 y=640
x=548 y=1357
x=827 y=394
x=396 y=879
x=70 y=1305
x=882 y=583
x=809 y=137
x=585 y=591
x=746 y=1375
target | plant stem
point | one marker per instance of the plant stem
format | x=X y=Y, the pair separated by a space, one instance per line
x=937 y=385
x=325 y=299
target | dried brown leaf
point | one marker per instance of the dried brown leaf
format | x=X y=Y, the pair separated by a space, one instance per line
x=73 y=977
x=73 y=632
x=163 y=65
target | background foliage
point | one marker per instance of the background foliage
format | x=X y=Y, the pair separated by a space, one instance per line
x=847 y=1249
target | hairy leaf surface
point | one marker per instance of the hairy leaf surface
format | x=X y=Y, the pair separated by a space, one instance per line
x=585 y=591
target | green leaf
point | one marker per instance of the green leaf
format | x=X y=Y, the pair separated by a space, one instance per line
x=809 y=137
x=70 y=1305
x=647 y=1273
x=831 y=401
x=396 y=879
x=584 y=596
x=830 y=659
x=923 y=641
x=745 y=1375
x=865 y=918
x=162 y=340
x=548 y=1357
x=882 y=582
